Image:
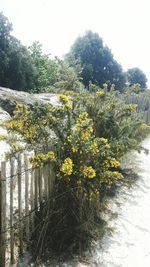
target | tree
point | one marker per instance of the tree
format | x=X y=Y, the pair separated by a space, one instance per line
x=136 y=76
x=16 y=67
x=5 y=29
x=46 y=68
x=98 y=64
x=21 y=71
x=68 y=76
x=53 y=72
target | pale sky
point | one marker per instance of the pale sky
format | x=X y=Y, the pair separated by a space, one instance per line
x=122 y=24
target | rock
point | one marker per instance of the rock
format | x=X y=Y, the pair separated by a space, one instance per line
x=9 y=98
x=4 y=115
x=3 y=146
x=49 y=98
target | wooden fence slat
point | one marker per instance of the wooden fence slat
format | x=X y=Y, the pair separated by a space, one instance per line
x=40 y=184
x=53 y=179
x=49 y=178
x=3 y=215
x=20 y=205
x=36 y=187
x=26 y=195
x=12 y=173
x=32 y=190
x=45 y=182
x=32 y=202
x=148 y=117
x=1 y=255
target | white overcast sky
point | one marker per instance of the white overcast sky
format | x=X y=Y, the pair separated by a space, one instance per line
x=124 y=26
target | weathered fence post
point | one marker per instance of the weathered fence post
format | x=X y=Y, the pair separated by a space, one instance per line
x=26 y=195
x=32 y=194
x=3 y=214
x=12 y=174
x=45 y=175
x=36 y=187
x=20 y=205
x=39 y=173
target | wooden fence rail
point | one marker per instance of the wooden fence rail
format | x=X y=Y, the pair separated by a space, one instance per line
x=22 y=191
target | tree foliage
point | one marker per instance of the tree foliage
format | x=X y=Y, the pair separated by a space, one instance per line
x=67 y=78
x=137 y=76
x=46 y=68
x=16 y=67
x=89 y=63
x=98 y=64
x=54 y=73
x=30 y=69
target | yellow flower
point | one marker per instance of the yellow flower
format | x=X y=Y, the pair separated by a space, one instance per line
x=40 y=158
x=85 y=135
x=65 y=101
x=88 y=172
x=51 y=156
x=74 y=149
x=69 y=138
x=114 y=163
x=144 y=126
x=94 y=148
x=104 y=140
x=100 y=92
x=67 y=167
x=117 y=175
x=84 y=121
x=110 y=177
x=132 y=107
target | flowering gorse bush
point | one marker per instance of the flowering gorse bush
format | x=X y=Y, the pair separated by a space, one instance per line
x=65 y=135
x=115 y=120
x=84 y=137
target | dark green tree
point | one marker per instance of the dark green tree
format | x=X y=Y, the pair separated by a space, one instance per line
x=98 y=64
x=5 y=29
x=136 y=76
x=16 y=67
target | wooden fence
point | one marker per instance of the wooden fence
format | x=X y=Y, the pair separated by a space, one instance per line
x=143 y=103
x=22 y=190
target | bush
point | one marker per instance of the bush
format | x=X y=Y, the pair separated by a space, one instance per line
x=85 y=138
